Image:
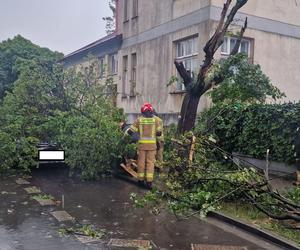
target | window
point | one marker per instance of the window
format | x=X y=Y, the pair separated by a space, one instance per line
x=114 y=64
x=229 y=43
x=134 y=8
x=125 y=18
x=101 y=67
x=133 y=74
x=125 y=70
x=187 y=52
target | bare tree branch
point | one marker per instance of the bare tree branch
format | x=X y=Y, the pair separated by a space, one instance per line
x=240 y=37
x=187 y=79
x=212 y=42
x=218 y=79
x=216 y=41
x=271 y=215
x=196 y=90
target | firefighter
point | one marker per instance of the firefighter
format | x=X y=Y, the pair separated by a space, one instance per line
x=134 y=136
x=297 y=153
x=160 y=143
x=149 y=129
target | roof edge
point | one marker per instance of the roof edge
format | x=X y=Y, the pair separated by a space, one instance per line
x=93 y=44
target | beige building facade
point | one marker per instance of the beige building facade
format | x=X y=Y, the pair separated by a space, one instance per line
x=99 y=57
x=157 y=32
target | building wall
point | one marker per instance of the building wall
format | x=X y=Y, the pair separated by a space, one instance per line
x=155 y=68
x=274 y=26
x=84 y=65
x=94 y=62
x=154 y=13
x=279 y=58
x=286 y=11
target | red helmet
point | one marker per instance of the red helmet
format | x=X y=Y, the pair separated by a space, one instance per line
x=147 y=107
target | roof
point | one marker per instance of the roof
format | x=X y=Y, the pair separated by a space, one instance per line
x=106 y=45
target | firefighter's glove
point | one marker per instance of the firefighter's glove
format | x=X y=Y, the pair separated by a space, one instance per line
x=129 y=132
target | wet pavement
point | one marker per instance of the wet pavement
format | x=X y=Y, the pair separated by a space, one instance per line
x=26 y=225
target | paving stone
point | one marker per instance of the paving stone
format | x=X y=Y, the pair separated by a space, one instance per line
x=216 y=247
x=144 y=244
x=62 y=216
x=86 y=239
x=45 y=202
x=5 y=192
x=32 y=190
x=21 y=181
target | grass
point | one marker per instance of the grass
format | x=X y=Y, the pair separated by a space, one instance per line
x=251 y=215
x=43 y=197
x=86 y=230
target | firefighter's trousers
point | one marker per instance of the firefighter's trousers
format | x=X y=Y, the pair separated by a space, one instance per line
x=146 y=160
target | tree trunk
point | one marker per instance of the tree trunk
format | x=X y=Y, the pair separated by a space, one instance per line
x=197 y=88
x=188 y=113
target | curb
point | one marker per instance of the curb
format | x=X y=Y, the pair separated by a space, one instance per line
x=254 y=230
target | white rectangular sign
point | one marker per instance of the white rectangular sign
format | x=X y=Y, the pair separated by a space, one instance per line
x=47 y=155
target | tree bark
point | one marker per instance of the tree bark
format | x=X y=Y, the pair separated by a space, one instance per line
x=197 y=87
x=188 y=112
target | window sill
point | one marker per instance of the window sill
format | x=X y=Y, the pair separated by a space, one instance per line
x=176 y=92
x=224 y=54
x=126 y=21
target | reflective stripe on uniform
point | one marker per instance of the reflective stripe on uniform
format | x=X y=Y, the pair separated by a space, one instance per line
x=134 y=128
x=147 y=121
x=153 y=132
x=149 y=176
x=141 y=130
x=147 y=141
x=141 y=175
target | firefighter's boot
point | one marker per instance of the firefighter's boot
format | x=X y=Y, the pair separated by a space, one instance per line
x=140 y=183
x=149 y=185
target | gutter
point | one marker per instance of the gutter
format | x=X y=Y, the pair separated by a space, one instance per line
x=286 y=244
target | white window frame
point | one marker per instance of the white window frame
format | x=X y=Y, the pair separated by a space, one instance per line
x=229 y=49
x=193 y=56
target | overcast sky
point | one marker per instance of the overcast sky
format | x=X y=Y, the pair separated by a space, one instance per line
x=61 y=25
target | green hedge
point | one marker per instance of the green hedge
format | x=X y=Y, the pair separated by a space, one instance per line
x=252 y=129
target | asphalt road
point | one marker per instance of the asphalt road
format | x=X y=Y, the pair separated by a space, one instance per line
x=26 y=225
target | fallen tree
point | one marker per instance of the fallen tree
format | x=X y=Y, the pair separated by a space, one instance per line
x=196 y=187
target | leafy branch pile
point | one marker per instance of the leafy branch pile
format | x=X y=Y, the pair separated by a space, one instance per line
x=199 y=186
x=74 y=109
